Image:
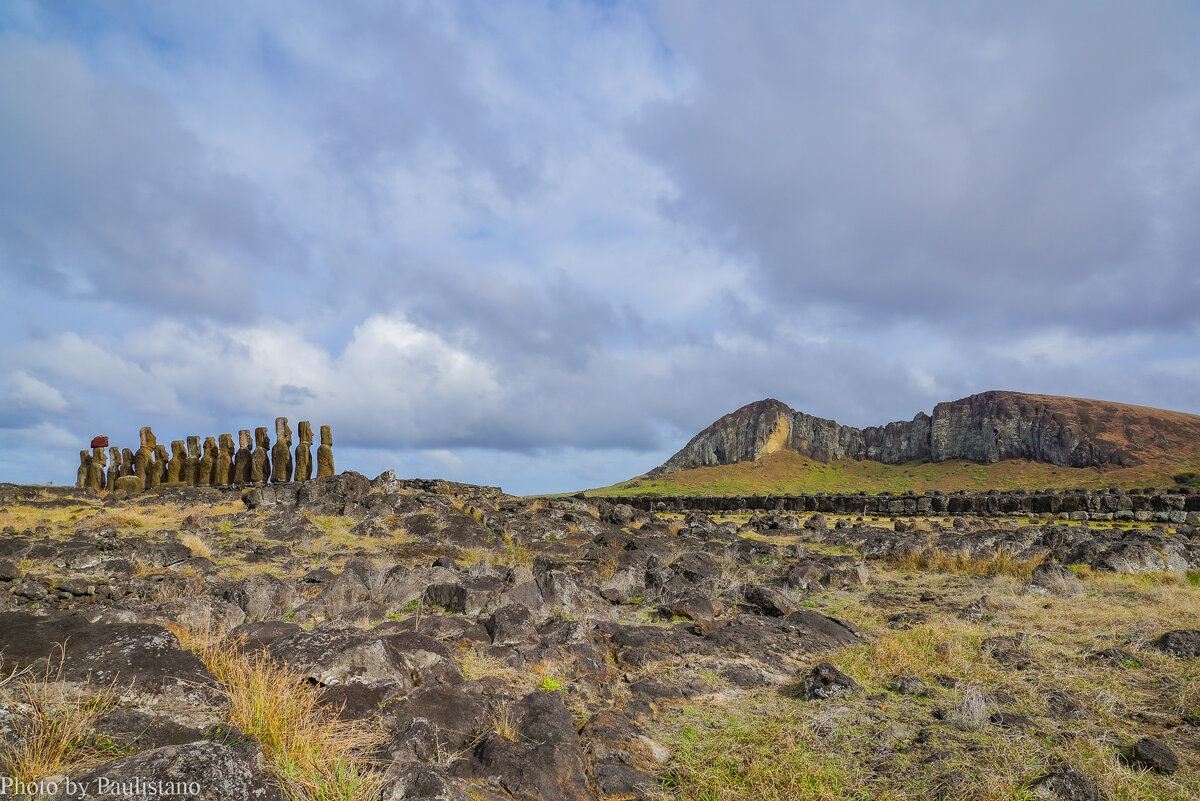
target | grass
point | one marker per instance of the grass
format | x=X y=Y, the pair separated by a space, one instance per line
x=931 y=559
x=764 y=744
x=790 y=473
x=55 y=721
x=197 y=545
x=315 y=755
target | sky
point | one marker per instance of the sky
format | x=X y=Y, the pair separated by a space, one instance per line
x=541 y=244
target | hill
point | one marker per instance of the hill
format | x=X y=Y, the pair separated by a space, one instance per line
x=993 y=440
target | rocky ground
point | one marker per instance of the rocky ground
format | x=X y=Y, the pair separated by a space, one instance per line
x=347 y=638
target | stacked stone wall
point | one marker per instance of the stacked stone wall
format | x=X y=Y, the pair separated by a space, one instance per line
x=1145 y=506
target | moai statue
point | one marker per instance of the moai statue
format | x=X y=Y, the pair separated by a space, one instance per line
x=126 y=462
x=114 y=466
x=95 y=476
x=304 y=451
x=260 y=464
x=141 y=469
x=241 y=461
x=208 y=463
x=325 y=453
x=85 y=459
x=223 y=469
x=162 y=464
x=281 y=454
x=193 y=461
x=147 y=442
x=141 y=465
x=177 y=467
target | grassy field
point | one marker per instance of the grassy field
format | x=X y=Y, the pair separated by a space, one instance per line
x=787 y=472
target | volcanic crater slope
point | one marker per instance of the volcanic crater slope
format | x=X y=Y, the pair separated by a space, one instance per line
x=984 y=428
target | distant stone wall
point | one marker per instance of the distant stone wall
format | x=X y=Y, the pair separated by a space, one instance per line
x=216 y=463
x=1154 y=506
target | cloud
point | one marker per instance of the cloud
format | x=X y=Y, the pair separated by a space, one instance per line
x=970 y=168
x=542 y=244
x=105 y=195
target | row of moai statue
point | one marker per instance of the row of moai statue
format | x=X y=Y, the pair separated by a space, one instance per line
x=218 y=464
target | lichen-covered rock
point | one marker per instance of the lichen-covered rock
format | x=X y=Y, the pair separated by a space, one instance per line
x=200 y=771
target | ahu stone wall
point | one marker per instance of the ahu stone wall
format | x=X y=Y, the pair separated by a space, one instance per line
x=209 y=461
x=1147 y=506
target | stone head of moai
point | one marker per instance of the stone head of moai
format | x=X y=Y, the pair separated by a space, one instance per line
x=304 y=431
x=114 y=459
x=262 y=438
x=326 y=436
x=245 y=439
x=283 y=433
x=146 y=438
x=193 y=447
x=126 y=462
x=99 y=456
x=225 y=443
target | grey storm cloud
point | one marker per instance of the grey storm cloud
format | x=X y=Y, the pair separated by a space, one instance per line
x=971 y=163
x=105 y=195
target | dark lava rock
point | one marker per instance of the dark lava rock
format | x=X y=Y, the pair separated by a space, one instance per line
x=909 y=685
x=511 y=625
x=826 y=681
x=8 y=571
x=332 y=656
x=821 y=631
x=1152 y=753
x=258 y=635
x=1006 y=650
x=1057 y=579
x=433 y=721
x=1182 y=642
x=543 y=763
x=140 y=654
x=202 y=771
x=696 y=608
x=1118 y=657
x=771 y=601
x=138 y=731
x=1064 y=785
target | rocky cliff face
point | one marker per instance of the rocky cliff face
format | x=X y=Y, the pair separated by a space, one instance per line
x=984 y=428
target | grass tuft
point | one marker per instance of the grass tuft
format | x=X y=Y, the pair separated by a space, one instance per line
x=315 y=755
x=54 y=721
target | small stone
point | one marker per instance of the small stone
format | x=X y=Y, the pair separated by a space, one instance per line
x=826 y=681
x=909 y=685
x=1152 y=753
x=1064 y=785
x=1181 y=642
x=32 y=590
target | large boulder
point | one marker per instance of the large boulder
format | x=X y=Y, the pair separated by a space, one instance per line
x=200 y=771
x=143 y=656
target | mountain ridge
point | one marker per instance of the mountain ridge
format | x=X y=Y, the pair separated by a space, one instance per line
x=987 y=427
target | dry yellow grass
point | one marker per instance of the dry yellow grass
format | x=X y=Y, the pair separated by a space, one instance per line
x=197 y=545
x=55 y=722
x=315 y=755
